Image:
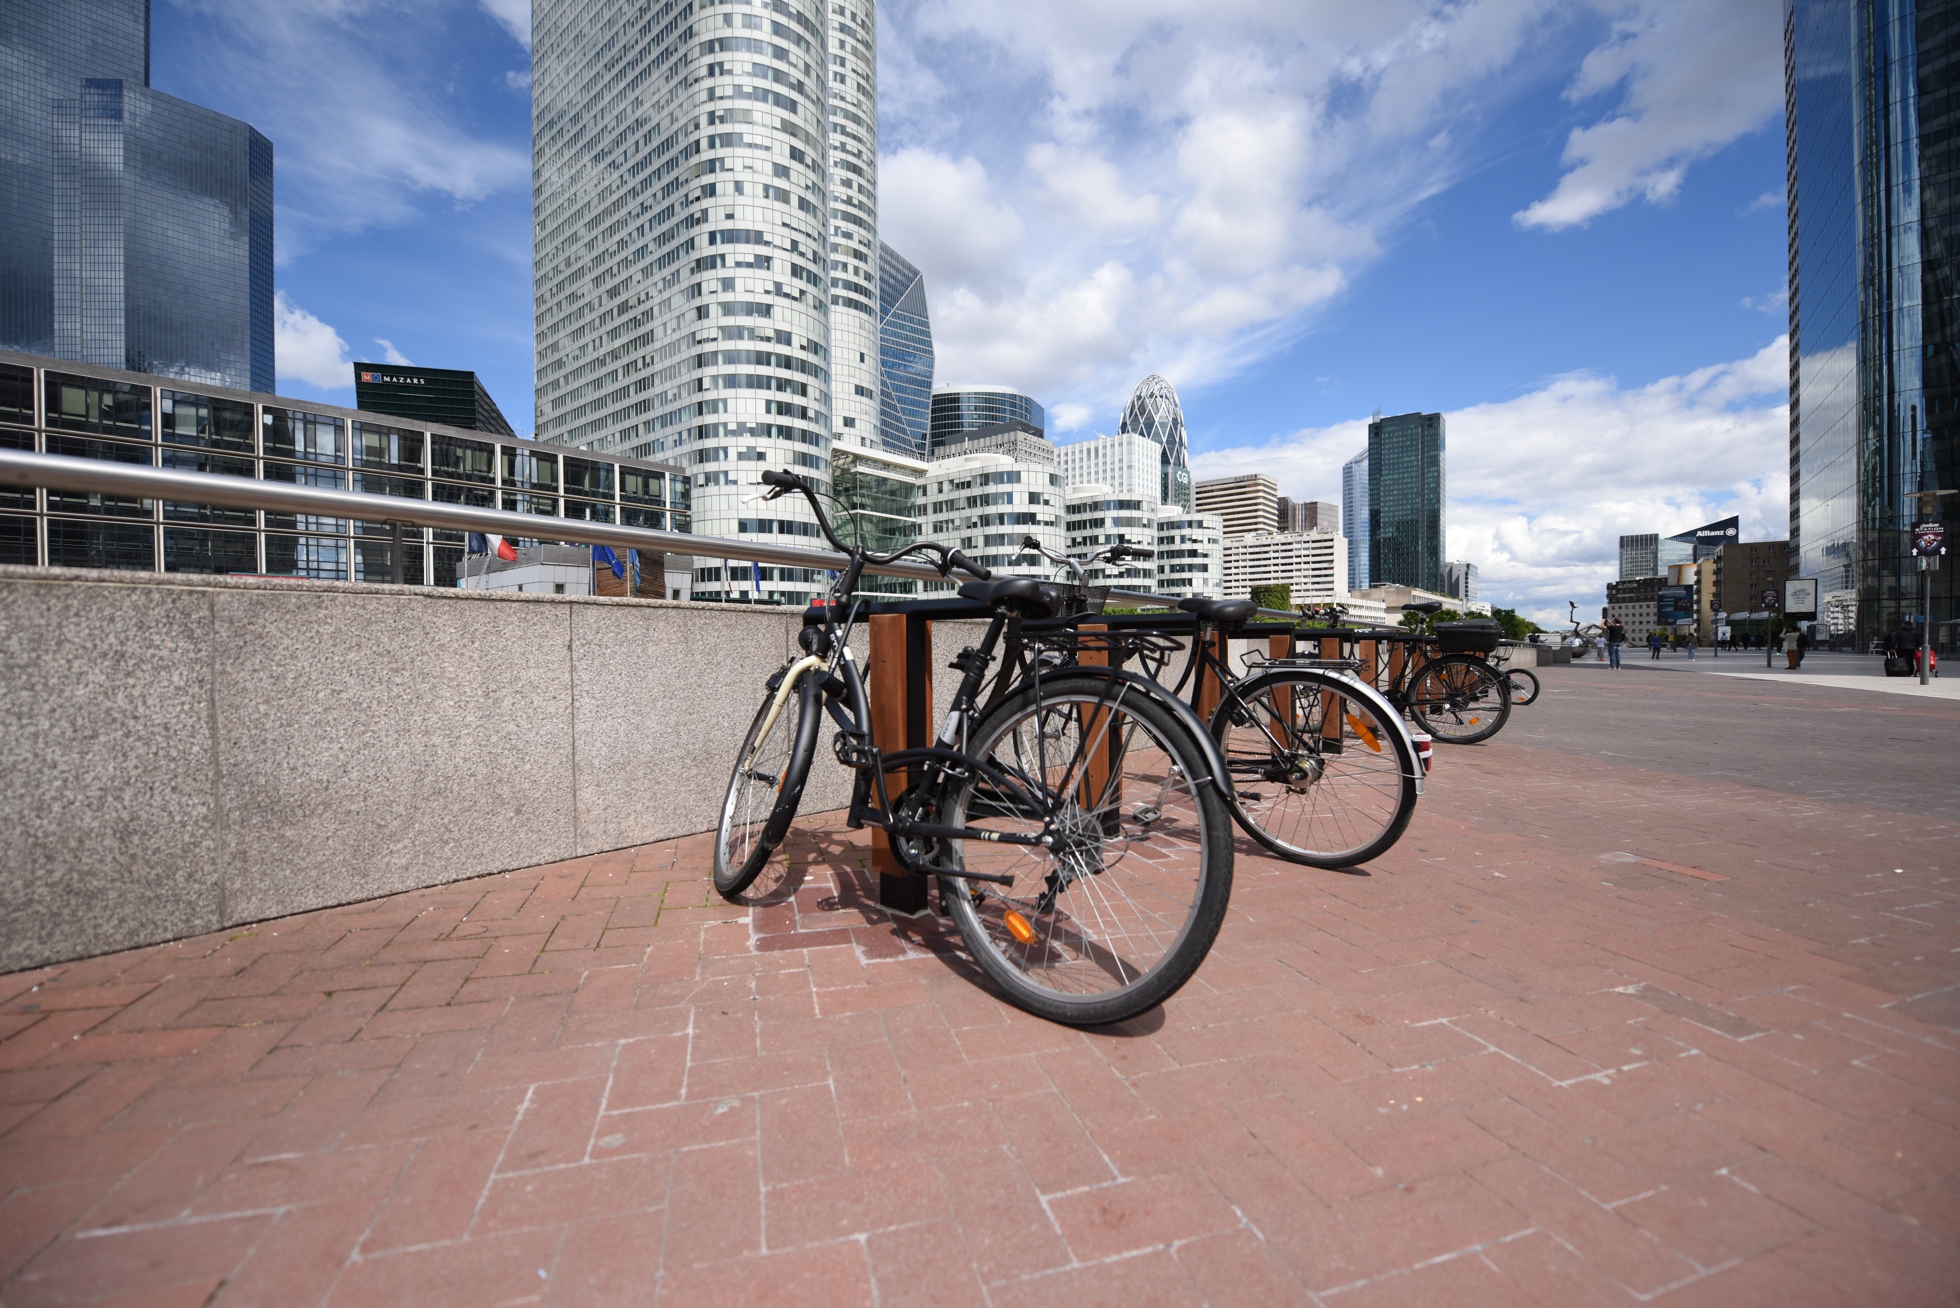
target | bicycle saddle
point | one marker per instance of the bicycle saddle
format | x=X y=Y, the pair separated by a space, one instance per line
x=1022 y=595
x=1427 y=606
x=1226 y=613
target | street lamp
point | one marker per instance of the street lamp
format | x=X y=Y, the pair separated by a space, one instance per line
x=1928 y=545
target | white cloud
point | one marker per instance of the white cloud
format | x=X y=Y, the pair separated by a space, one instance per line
x=374 y=142
x=1106 y=188
x=392 y=355
x=515 y=15
x=1776 y=304
x=307 y=349
x=1697 y=76
x=1541 y=487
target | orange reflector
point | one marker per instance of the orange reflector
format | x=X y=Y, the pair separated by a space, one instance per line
x=1361 y=730
x=1475 y=721
x=1018 y=927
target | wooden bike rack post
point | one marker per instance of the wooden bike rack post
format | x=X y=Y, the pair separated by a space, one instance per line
x=1096 y=772
x=900 y=692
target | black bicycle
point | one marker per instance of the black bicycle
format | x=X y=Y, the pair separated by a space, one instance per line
x=1322 y=770
x=1437 y=675
x=1073 y=815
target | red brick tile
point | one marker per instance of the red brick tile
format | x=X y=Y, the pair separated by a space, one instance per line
x=923 y=1266
x=52 y=1034
x=165 y=1184
x=1715 y=1220
x=1237 y=1268
x=496 y=1269
x=1548 y=1272
x=1132 y=1215
x=800 y=1135
x=318 y=1115
x=266 y=1183
x=1420 y=1220
x=1467 y=1282
x=1151 y=1278
x=97 y=1100
x=438 y=1193
x=298 y=1258
x=608 y=1260
x=573 y=1193
x=1604 y=1238
x=721 y=1217
x=128 y=1045
x=31 y=1219
x=833 y=1274
x=149 y=1261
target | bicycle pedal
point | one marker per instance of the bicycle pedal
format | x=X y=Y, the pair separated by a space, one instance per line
x=1252 y=795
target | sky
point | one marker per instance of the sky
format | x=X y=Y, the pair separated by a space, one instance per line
x=1558 y=222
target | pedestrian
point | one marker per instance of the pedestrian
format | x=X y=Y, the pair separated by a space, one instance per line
x=1599 y=648
x=1654 y=644
x=1616 y=636
x=1790 y=647
x=1689 y=641
x=1803 y=646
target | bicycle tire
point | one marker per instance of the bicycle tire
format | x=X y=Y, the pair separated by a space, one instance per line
x=1524 y=685
x=1310 y=797
x=1122 y=909
x=1459 y=699
x=766 y=786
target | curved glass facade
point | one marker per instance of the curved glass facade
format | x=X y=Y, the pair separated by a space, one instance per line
x=1874 y=324
x=971 y=408
x=854 y=280
x=1154 y=414
x=681 y=233
x=905 y=353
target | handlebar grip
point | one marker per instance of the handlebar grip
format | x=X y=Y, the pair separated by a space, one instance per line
x=1030 y=543
x=781 y=480
x=968 y=566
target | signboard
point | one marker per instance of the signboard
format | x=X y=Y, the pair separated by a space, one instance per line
x=1928 y=540
x=1674 y=605
x=1708 y=539
x=1722 y=633
x=1800 y=597
x=1769 y=599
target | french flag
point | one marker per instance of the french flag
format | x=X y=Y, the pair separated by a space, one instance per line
x=497 y=545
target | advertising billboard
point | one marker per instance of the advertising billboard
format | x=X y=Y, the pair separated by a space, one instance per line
x=1707 y=540
x=1675 y=606
x=1800 y=597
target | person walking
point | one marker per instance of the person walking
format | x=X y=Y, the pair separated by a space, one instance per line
x=1803 y=646
x=1654 y=644
x=1599 y=648
x=1616 y=637
x=1790 y=652
x=1689 y=641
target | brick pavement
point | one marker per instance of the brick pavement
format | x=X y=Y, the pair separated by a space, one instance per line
x=1589 y=1035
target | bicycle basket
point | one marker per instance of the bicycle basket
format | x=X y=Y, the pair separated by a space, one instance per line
x=1471 y=636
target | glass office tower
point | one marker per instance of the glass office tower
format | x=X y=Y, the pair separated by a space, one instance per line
x=1354 y=518
x=1406 y=497
x=1874 y=323
x=451 y=395
x=681 y=218
x=905 y=350
x=957 y=409
x=135 y=228
x=1154 y=414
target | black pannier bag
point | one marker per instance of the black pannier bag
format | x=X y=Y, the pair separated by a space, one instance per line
x=1470 y=636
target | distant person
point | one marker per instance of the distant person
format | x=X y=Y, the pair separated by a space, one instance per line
x=1688 y=641
x=1790 y=653
x=1599 y=648
x=1654 y=644
x=1803 y=645
x=1616 y=636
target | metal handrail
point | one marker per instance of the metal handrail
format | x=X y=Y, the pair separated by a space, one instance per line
x=64 y=472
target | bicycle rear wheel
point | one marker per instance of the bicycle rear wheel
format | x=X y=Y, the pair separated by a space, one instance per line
x=767 y=785
x=1319 y=778
x=1459 y=699
x=1119 y=910
x=1524 y=685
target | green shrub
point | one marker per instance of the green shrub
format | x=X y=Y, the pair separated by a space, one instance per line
x=1272 y=597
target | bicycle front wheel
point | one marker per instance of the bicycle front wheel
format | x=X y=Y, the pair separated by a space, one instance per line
x=1117 y=911
x=1460 y=700
x=1319 y=777
x=767 y=784
x=1523 y=685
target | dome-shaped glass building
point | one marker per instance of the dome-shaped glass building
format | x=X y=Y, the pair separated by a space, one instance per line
x=1154 y=414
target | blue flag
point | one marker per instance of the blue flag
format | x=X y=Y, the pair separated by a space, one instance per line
x=603 y=554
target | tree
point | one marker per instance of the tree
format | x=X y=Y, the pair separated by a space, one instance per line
x=1278 y=596
x=1515 y=627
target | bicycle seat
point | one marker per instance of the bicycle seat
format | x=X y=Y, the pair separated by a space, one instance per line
x=1427 y=606
x=1226 y=613
x=1022 y=595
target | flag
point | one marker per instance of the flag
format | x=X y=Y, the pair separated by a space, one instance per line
x=480 y=543
x=603 y=554
x=755 y=577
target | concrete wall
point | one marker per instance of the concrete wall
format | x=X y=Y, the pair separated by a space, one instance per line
x=183 y=754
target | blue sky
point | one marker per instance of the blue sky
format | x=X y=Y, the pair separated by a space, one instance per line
x=1560 y=222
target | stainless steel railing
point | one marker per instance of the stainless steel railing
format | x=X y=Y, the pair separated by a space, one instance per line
x=61 y=472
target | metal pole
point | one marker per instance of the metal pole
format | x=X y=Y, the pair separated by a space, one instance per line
x=1925 y=620
x=395 y=550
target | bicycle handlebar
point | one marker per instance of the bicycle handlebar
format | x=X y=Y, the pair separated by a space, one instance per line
x=786 y=482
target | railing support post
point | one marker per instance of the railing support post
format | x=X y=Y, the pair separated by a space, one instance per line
x=901 y=718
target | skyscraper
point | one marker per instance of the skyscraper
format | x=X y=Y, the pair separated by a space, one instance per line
x=682 y=245
x=961 y=409
x=135 y=228
x=905 y=355
x=1309 y=515
x=448 y=395
x=1155 y=414
x=1874 y=302
x=1406 y=498
x=855 y=283
x=1248 y=503
x=1354 y=518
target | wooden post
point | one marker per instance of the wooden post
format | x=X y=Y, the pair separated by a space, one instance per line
x=1095 y=773
x=900 y=692
x=1211 y=692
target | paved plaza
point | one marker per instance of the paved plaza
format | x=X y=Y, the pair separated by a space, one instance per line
x=1658 y=1000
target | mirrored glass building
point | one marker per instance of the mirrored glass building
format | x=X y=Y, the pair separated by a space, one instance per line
x=1874 y=306
x=1154 y=414
x=961 y=409
x=905 y=353
x=135 y=228
x=1354 y=518
x=1407 y=517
